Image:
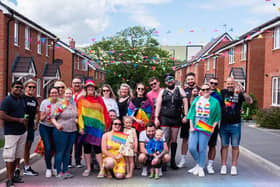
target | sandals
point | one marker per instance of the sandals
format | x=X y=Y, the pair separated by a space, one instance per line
x=101 y=174
x=86 y=173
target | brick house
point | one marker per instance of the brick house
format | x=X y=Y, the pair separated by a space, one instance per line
x=27 y=51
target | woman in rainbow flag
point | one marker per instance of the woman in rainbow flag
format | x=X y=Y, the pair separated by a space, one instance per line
x=93 y=120
x=140 y=108
x=204 y=114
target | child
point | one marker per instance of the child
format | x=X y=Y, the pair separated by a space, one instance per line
x=130 y=147
x=155 y=151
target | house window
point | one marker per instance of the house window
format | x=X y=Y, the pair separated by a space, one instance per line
x=214 y=62
x=103 y=77
x=47 y=47
x=96 y=75
x=208 y=65
x=276 y=91
x=244 y=52
x=231 y=56
x=276 y=37
x=39 y=46
x=16 y=34
x=78 y=63
x=84 y=65
x=27 y=38
x=195 y=68
x=38 y=88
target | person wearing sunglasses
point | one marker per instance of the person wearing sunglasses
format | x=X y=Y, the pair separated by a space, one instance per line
x=109 y=98
x=153 y=94
x=113 y=160
x=216 y=93
x=204 y=115
x=170 y=102
x=139 y=108
x=60 y=85
x=12 y=112
x=32 y=108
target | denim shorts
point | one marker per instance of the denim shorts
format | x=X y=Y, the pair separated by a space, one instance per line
x=231 y=133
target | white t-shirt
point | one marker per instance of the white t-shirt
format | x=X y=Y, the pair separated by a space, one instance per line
x=111 y=104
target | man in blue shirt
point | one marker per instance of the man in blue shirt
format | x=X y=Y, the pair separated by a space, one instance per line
x=12 y=112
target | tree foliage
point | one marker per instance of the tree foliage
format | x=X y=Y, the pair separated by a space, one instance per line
x=132 y=55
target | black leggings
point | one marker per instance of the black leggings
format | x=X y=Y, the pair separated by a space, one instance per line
x=88 y=147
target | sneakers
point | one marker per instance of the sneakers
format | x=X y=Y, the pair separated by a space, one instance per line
x=201 y=172
x=86 y=173
x=70 y=166
x=48 y=173
x=9 y=183
x=17 y=173
x=182 y=163
x=60 y=175
x=223 y=170
x=233 y=170
x=54 y=172
x=160 y=172
x=79 y=165
x=210 y=169
x=144 y=171
x=157 y=176
x=67 y=175
x=151 y=176
x=193 y=169
x=100 y=174
x=29 y=171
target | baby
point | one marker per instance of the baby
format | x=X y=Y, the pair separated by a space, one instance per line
x=155 y=152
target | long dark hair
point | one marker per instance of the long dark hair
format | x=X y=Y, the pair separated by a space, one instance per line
x=110 y=128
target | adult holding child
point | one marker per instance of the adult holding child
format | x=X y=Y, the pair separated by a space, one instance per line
x=204 y=115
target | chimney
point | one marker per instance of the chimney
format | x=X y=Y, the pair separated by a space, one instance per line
x=72 y=43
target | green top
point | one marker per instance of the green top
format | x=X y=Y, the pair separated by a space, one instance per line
x=215 y=111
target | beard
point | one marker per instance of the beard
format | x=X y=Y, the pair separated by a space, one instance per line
x=191 y=84
x=171 y=87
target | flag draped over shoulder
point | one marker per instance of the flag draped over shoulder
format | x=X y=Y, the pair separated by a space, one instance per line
x=93 y=118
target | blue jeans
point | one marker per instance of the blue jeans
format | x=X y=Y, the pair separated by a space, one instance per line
x=230 y=132
x=63 y=144
x=46 y=134
x=198 y=143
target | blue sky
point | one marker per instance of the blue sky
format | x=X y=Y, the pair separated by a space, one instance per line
x=87 y=19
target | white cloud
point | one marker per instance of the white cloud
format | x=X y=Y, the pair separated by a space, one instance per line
x=84 y=19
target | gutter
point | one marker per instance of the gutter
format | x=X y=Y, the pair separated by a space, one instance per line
x=7 y=53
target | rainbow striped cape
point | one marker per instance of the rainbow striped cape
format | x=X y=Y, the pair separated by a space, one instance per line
x=93 y=118
x=119 y=137
x=204 y=128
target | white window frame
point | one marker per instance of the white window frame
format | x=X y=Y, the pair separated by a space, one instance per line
x=244 y=52
x=276 y=91
x=38 y=87
x=276 y=36
x=214 y=62
x=231 y=56
x=39 y=45
x=47 y=46
x=195 y=68
x=96 y=75
x=84 y=65
x=208 y=65
x=16 y=29
x=27 y=37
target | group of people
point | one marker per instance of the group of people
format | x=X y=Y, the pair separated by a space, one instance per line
x=137 y=128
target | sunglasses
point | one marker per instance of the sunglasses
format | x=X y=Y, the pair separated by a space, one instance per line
x=117 y=124
x=76 y=82
x=207 y=89
x=58 y=87
x=105 y=90
x=20 y=87
x=31 y=87
x=142 y=89
x=153 y=84
x=214 y=83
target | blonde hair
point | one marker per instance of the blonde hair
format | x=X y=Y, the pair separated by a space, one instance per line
x=159 y=131
x=129 y=90
x=127 y=117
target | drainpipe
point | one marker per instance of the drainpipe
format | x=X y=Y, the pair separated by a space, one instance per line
x=7 y=53
x=73 y=64
x=246 y=80
x=54 y=43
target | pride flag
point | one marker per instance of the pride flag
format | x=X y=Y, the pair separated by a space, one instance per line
x=93 y=118
x=119 y=137
x=203 y=127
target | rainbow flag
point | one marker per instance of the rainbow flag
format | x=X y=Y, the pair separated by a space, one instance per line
x=203 y=127
x=93 y=118
x=119 y=137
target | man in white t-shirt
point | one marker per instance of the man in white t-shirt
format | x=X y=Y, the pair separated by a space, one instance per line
x=144 y=138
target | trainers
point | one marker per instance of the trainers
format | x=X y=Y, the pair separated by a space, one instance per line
x=70 y=166
x=223 y=170
x=54 y=172
x=79 y=166
x=182 y=163
x=157 y=176
x=144 y=171
x=160 y=172
x=151 y=175
x=86 y=173
x=210 y=169
x=17 y=179
x=233 y=170
x=67 y=175
x=100 y=174
x=201 y=172
x=29 y=171
x=9 y=183
x=17 y=173
x=48 y=173
x=193 y=169
x=60 y=175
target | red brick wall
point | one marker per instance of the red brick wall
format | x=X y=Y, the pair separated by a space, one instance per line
x=3 y=59
x=220 y=64
x=66 y=67
x=271 y=68
x=255 y=69
x=200 y=72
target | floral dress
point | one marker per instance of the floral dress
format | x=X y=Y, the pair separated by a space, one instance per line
x=126 y=149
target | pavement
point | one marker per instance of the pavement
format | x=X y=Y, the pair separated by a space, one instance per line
x=258 y=165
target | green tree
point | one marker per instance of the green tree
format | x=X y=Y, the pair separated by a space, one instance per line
x=132 y=55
